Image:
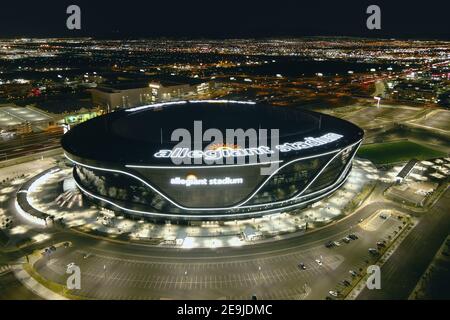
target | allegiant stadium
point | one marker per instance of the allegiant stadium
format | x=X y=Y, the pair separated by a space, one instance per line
x=129 y=161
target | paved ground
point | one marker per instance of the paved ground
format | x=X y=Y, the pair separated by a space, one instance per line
x=12 y=289
x=46 y=194
x=435 y=282
x=439 y=119
x=369 y=117
x=26 y=144
x=402 y=271
x=268 y=270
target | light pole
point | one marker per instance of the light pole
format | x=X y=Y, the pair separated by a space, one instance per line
x=378 y=101
x=260 y=273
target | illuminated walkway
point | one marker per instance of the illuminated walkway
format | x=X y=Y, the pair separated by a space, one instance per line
x=55 y=194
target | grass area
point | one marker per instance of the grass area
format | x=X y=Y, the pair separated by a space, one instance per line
x=397 y=151
x=53 y=286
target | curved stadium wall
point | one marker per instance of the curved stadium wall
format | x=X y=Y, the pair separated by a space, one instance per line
x=156 y=188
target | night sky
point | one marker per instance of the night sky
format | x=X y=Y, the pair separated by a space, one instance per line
x=222 y=19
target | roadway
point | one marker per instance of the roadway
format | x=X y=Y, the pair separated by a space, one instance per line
x=269 y=270
x=400 y=274
x=26 y=144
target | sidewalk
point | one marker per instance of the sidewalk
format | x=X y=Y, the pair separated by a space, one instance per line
x=33 y=285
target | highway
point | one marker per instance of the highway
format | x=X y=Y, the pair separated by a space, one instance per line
x=26 y=144
x=403 y=270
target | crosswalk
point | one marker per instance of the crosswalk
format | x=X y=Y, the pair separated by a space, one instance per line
x=5 y=269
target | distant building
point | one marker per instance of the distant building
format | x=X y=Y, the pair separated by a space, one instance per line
x=419 y=91
x=127 y=95
x=406 y=170
x=24 y=119
x=15 y=90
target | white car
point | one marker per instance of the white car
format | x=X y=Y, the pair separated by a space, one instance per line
x=333 y=293
x=337 y=243
x=319 y=262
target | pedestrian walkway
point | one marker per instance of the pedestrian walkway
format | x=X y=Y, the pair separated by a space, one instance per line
x=85 y=217
x=5 y=269
x=33 y=285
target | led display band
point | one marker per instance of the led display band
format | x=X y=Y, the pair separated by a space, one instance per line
x=309 y=142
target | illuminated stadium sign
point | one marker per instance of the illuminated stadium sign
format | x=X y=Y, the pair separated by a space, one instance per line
x=124 y=166
x=192 y=180
x=309 y=142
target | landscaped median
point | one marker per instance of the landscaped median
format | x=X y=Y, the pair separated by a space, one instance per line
x=60 y=291
x=408 y=223
x=53 y=286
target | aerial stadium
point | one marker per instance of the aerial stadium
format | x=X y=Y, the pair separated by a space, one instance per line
x=129 y=161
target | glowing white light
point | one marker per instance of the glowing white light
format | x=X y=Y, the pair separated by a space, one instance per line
x=307 y=143
x=205 y=182
x=208 y=209
x=203 y=167
x=166 y=104
x=28 y=216
x=337 y=186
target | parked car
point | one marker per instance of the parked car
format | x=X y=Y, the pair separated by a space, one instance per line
x=329 y=244
x=353 y=236
x=381 y=244
x=333 y=293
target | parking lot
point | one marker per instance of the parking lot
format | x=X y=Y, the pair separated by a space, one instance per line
x=276 y=275
x=420 y=184
x=373 y=116
x=439 y=120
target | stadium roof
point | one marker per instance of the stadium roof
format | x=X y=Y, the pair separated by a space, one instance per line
x=135 y=135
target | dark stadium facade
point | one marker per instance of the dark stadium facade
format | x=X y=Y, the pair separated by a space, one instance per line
x=124 y=160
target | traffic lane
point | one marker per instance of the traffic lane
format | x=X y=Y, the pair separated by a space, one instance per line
x=20 y=152
x=12 y=289
x=400 y=274
x=272 y=277
x=303 y=241
x=28 y=145
x=357 y=257
x=24 y=145
x=127 y=250
x=31 y=138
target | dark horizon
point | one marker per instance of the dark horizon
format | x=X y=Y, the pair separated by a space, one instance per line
x=232 y=19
